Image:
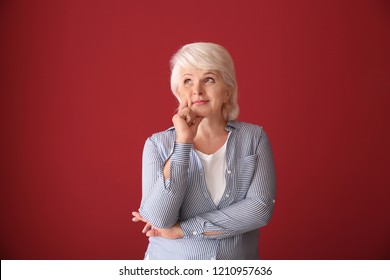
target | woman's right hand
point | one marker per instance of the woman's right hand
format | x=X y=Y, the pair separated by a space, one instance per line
x=186 y=124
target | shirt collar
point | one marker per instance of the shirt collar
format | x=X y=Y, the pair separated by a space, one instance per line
x=231 y=125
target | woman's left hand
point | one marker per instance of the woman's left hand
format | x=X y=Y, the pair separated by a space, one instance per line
x=173 y=232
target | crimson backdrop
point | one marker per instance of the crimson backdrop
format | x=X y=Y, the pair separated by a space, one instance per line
x=84 y=83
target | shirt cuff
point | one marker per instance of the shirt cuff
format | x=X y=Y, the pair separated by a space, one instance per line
x=192 y=228
x=181 y=153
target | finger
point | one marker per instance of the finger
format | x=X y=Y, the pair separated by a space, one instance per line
x=196 y=122
x=138 y=216
x=183 y=112
x=153 y=232
x=189 y=101
x=147 y=227
x=183 y=104
x=188 y=115
x=135 y=218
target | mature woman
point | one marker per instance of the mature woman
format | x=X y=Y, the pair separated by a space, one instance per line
x=208 y=183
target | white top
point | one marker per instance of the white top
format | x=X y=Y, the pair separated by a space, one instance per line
x=214 y=167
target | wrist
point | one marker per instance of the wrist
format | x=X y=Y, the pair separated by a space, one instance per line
x=180 y=232
x=181 y=153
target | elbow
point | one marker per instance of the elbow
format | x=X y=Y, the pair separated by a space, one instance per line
x=158 y=219
x=265 y=213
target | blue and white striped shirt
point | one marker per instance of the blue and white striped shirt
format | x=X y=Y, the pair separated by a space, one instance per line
x=246 y=205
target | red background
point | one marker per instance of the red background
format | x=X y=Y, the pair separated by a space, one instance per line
x=84 y=83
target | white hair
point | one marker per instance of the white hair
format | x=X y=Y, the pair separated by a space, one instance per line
x=207 y=56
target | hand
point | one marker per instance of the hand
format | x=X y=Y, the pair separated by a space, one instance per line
x=173 y=232
x=186 y=123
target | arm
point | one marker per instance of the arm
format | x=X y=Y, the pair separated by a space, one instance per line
x=162 y=197
x=248 y=214
x=164 y=182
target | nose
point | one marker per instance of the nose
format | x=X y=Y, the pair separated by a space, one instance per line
x=197 y=89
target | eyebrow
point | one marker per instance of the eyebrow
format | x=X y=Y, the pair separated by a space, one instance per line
x=204 y=74
x=208 y=73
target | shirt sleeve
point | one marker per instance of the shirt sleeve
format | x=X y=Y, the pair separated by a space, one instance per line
x=162 y=199
x=253 y=212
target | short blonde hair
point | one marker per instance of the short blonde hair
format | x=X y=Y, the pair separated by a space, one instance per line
x=207 y=56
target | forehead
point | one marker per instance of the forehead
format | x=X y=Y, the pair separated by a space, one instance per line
x=188 y=71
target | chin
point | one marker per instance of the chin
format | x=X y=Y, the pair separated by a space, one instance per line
x=199 y=112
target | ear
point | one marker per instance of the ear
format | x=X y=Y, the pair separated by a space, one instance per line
x=227 y=95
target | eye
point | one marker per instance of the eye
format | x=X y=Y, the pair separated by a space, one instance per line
x=209 y=80
x=187 y=82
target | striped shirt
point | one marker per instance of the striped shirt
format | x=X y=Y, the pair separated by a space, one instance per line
x=246 y=205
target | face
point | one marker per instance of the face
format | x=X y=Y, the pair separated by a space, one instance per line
x=204 y=91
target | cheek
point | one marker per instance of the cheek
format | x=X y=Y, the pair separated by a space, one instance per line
x=183 y=93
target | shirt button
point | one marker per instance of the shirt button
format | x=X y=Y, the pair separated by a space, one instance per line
x=195 y=233
x=229 y=171
x=227 y=195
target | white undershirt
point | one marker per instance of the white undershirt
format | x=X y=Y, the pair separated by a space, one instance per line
x=214 y=167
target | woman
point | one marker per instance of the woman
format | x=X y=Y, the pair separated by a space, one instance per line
x=208 y=183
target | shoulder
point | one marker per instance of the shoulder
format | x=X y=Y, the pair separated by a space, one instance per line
x=160 y=142
x=248 y=137
x=245 y=129
x=163 y=137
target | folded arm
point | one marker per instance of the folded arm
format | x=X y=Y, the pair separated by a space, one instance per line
x=162 y=198
x=253 y=212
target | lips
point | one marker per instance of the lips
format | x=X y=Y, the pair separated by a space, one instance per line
x=199 y=102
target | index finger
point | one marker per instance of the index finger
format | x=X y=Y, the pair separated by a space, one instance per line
x=189 y=101
x=183 y=104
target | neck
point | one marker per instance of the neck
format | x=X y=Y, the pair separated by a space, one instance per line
x=211 y=128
